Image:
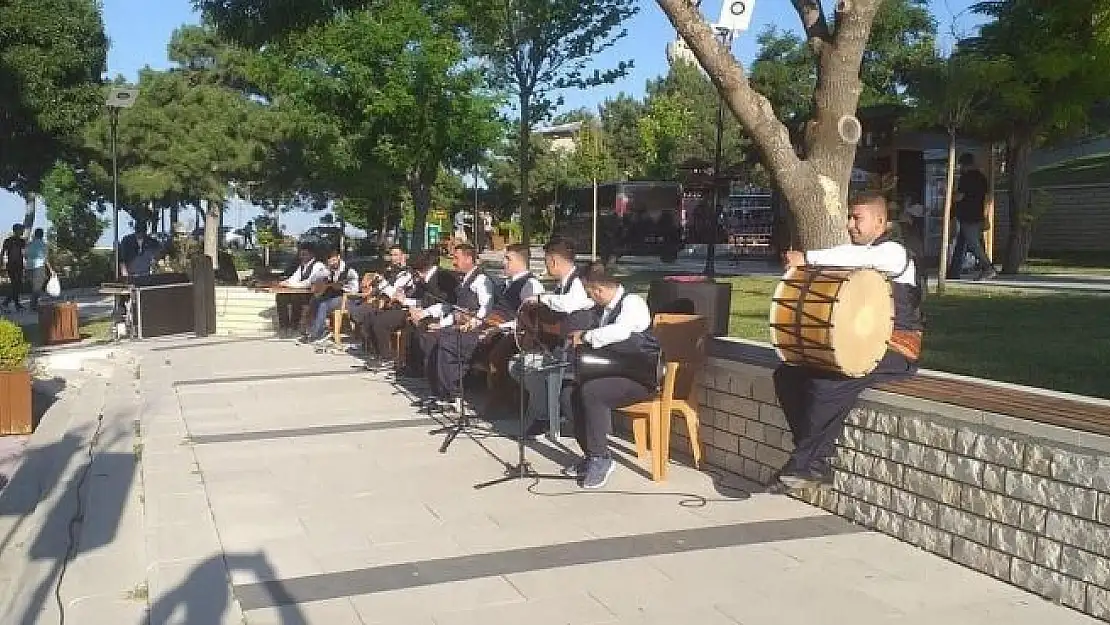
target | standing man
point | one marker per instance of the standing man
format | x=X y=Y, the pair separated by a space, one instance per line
x=816 y=402
x=971 y=200
x=138 y=252
x=36 y=262
x=11 y=258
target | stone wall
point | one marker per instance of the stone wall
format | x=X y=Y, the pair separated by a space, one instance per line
x=1024 y=502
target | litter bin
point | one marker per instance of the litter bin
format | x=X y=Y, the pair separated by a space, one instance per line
x=693 y=295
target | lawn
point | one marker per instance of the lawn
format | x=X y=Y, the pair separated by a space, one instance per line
x=92 y=330
x=1060 y=342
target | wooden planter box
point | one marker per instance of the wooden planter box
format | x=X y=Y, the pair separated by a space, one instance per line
x=58 y=323
x=15 y=402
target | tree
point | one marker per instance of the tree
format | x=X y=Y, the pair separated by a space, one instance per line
x=620 y=119
x=532 y=48
x=52 y=54
x=1053 y=58
x=813 y=179
x=947 y=92
x=386 y=82
x=76 y=226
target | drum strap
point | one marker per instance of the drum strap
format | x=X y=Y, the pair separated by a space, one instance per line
x=907 y=343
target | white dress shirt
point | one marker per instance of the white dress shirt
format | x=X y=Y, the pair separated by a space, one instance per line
x=531 y=288
x=400 y=282
x=573 y=299
x=315 y=270
x=889 y=257
x=635 y=316
x=346 y=277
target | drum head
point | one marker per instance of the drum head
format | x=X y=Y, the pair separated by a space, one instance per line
x=862 y=322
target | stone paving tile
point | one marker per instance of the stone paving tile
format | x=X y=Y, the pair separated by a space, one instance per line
x=292 y=507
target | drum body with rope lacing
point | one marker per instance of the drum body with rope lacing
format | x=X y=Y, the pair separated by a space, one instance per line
x=832 y=318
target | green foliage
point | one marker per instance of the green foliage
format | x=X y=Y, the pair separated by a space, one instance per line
x=14 y=348
x=76 y=226
x=534 y=48
x=52 y=53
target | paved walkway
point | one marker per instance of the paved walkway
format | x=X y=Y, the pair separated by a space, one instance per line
x=233 y=481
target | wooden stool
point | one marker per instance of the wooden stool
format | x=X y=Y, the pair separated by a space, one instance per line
x=58 y=323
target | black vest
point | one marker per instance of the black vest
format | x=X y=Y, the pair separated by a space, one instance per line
x=466 y=298
x=643 y=342
x=578 y=320
x=907 y=298
x=509 y=299
x=305 y=271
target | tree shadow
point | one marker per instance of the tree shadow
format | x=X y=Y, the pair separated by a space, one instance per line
x=44 y=394
x=203 y=597
x=86 y=517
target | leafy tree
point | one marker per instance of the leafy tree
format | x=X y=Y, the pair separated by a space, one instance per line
x=1053 y=59
x=52 y=53
x=534 y=48
x=812 y=176
x=620 y=118
x=76 y=225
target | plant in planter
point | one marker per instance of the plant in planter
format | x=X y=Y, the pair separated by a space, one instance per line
x=15 y=380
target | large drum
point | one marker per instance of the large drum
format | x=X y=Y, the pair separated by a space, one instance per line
x=835 y=319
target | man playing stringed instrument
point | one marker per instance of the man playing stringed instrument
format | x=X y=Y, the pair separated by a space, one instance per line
x=450 y=339
x=327 y=296
x=816 y=402
x=308 y=271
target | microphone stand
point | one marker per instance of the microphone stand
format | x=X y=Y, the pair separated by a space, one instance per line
x=463 y=423
x=523 y=469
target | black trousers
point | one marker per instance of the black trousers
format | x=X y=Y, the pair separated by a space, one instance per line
x=590 y=405
x=15 y=289
x=380 y=328
x=817 y=402
x=451 y=358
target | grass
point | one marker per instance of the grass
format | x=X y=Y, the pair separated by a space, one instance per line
x=1082 y=263
x=1040 y=339
x=93 y=330
x=1090 y=169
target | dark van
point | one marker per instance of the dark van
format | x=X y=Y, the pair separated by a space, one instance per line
x=634 y=219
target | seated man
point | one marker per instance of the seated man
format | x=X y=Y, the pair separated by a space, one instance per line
x=817 y=402
x=384 y=294
x=433 y=285
x=622 y=327
x=448 y=346
x=308 y=271
x=519 y=286
x=328 y=297
x=575 y=311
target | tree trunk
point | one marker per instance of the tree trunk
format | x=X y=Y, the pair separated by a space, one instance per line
x=420 y=185
x=815 y=189
x=29 y=212
x=385 y=220
x=524 y=139
x=1020 y=150
x=175 y=213
x=212 y=214
x=946 y=216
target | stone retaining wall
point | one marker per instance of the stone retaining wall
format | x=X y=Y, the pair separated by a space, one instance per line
x=1024 y=502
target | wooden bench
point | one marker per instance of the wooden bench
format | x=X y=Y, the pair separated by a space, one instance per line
x=1087 y=415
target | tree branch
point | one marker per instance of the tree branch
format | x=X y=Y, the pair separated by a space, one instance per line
x=814 y=24
x=752 y=109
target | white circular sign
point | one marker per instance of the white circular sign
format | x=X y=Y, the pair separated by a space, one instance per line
x=738 y=8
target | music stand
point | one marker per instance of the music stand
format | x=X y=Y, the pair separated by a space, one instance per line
x=462 y=424
x=523 y=469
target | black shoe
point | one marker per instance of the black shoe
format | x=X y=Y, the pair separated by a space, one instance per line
x=537 y=429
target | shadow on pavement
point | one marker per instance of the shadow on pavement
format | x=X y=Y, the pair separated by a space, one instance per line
x=203 y=597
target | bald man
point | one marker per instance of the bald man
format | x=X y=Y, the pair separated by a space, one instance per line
x=817 y=402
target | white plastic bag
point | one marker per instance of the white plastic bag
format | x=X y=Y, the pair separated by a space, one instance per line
x=53 y=286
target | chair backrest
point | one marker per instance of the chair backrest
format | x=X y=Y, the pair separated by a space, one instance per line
x=682 y=339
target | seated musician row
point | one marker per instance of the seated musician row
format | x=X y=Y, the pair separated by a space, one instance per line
x=447 y=328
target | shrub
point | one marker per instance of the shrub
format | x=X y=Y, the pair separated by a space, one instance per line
x=14 y=348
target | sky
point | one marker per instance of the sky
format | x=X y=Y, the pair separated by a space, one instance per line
x=139 y=31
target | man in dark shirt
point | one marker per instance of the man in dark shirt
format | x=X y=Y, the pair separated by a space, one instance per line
x=970 y=201
x=138 y=252
x=11 y=257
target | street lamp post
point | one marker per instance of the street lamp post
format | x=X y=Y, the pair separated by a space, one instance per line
x=725 y=38
x=117 y=99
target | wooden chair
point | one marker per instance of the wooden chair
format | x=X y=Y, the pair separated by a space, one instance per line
x=338 y=316
x=682 y=339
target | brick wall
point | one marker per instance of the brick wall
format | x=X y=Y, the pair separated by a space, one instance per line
x=1026 y=503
